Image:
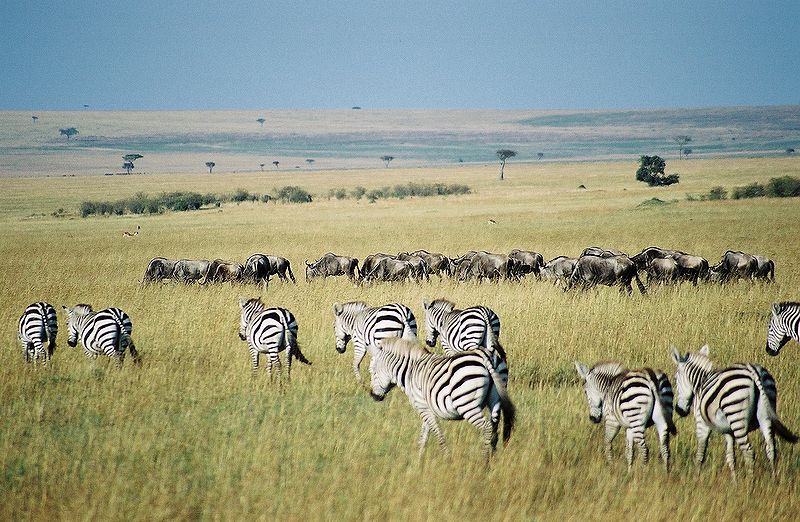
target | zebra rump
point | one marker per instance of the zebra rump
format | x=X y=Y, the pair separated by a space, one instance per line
x=38 y=325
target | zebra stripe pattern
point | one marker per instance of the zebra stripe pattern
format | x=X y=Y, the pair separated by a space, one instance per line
x=269 y=331
x=107 y=332
x=38 y=326
x=446 y=387
x=630 y=399
x=367 y=327
x=733 y=401
x=784 y=324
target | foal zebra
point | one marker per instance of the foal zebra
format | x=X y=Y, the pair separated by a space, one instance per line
x=38 y=325
x=632 y=399
x=733 y=401
x=448 y=387
x=269 y=331
x=784 y=324
x=368 y=326
x=107 y=332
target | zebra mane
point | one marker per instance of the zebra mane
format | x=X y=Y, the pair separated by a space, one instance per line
x=353 y=306
x=443 y=302
x=786 y=304
x=700 y=361
x=404 y=348
x=82 y=309
x=255 y=302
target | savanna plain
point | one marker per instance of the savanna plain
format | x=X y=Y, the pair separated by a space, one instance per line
x=192 y=434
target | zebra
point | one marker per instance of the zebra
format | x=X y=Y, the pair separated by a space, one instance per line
x=269 y=331
x=368 y=326
x=107 y=332
x=38 y=325
x=450 y=387
x=733 y=401
x=631 y=399
x=784 y=324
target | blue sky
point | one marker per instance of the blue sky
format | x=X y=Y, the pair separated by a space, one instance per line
x=400 y=54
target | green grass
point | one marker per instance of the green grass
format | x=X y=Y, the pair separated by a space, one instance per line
x=192 y=435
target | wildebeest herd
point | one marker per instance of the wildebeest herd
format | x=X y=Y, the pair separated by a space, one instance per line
x=594 y=266
x=471 y=375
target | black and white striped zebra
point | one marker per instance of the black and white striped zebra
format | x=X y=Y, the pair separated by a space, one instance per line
x=107 y=332
x=450 y=387
x=269 y=331
x=368 y=326
x=38 y=326
x=784 y=324
x=630 y=399
x=733 y=401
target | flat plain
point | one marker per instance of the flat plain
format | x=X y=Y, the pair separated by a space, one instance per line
x=192 y=434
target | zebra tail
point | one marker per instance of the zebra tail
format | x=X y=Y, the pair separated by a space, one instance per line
x=297 y=353
x=506 y=406
x=783 y=432
x=780 y=429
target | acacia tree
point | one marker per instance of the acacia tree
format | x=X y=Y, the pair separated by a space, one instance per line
x=386 y=160
x=261 y=165
x=34 y=118
x=276 y=163
x=310 y=161
x=651 y=171
x=681 y=140
x=261 y=121
x=503 y=155
x=128 y=161
x=540 y=155
x=68 y=132
x=210 y=165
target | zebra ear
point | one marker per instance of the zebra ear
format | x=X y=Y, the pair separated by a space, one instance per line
x=66 y=309
x=776 y=309
x=676 y=356
x=583 y=371
x=337 y=309
x=704 y=350
x=425 y=304
x=242 y=302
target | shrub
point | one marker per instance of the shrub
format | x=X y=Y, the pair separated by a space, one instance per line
x=753 y=190
x=265 y=198
x=651 y=171
x=716 y=193
x=340 y=193
x=783 y=187
x=290 y=194
x=358 y=192
x=88 y=208
x=243 y=195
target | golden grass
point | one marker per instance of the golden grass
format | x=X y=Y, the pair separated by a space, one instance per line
x=192 y=435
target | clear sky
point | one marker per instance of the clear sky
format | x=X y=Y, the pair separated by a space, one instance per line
x=397 y=54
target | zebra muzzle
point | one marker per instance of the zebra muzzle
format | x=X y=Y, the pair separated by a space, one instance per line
x=71 y=343
x=595 y=419
x=377 y=397
x=242 y=337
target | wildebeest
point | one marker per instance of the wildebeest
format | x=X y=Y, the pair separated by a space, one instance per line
x=558 y=269
x=388 y=269
x=527 y=262
x=736 y=265
x=488 y=266
x=592 y=270
x=371 y=261
x=190 y=270
x=766 y=268
x=260 y=267
x=159 y=269
x=692 y=267
x=331 y=265
x=221 y=271
x=643 y=258
x=601 y=252
x=662 y=271
x=421 y=270
x=438 y=264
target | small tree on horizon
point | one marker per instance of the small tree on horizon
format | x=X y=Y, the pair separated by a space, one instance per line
x=310 y=161
x=68 y=132
x=34 y=118
x=261 y=166
x=128 y=161
x=210 y=165
x=386 y=160
x=540 y=155
x=276 y=163
x=682 y=141
x=651 y=171
x=261 y=121
x=503 y=155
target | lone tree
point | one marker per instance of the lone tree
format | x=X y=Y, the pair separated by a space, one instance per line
x=210 y=165
x=386 y=160
x=651 y=171
x=310 y=161
x=261 y=121
x=34 y=118
x=681 y=140
x=128 y=161
x=261 y=165
x=276 y=163
x=503 y=155
x=540 y=155
x=68 y=132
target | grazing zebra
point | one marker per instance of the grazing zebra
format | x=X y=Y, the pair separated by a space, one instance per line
x=784 y=324
x=368 y=326
x=38 y=325
x=107 y=332
x=269 y=331
x=733 y=401
x=450 y=387
x=631 y=399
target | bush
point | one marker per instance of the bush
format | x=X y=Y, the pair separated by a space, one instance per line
x=783 y=187
x=88 y=208
x=358 y=192
x=651 y=171
x=716 y=193
x=243 y=195
x=265 y=198
x=340 y=193
x=753 y=190
x=291 y=194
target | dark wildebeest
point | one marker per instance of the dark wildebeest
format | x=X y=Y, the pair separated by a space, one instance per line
x=190 y=270
x=221 y=271
x=438 y=264
x=766 y=269
x=662 y=270
x=260 y=267
x=601 y=252
x=594 y=270
x=421 y=269
x=558 y=269
x=527 y=262
x=643 y=258
x=388 y=269
x=158 y=269
x=489 y=266
x=736 y=265
x=371 y=261
x=331 y=265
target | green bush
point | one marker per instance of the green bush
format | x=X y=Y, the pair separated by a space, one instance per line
x=753 y=190
x=716 y=193
x=243 y=195
x=88 y=208
x=783 y=187
x=290 y=194
x=358 y=192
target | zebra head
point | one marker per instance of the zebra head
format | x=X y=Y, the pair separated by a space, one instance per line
x=344 y=320
x=76 y=320
x=381 y=378
x=249 y=308
x=693 y=368
x=777 y=332
x=434 y=314
x=595 y=392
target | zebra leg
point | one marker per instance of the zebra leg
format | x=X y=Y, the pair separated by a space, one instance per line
x=769 y=443
x=629 y=436
x=663 y=441
x=358 y=355
x=702 y=431
x=487 y=427
x=289 y=364
x=423 y=438
x=430 y=418
x=747 y=451
x=134 y=353
x=254 y=359
x=612 y=428
x=638 y=437
x=730 y=454
x=274 y=361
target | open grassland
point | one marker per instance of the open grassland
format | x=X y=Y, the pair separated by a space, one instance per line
x=192 y=434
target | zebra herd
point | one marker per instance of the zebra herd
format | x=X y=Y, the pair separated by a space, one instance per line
x=472 y=374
